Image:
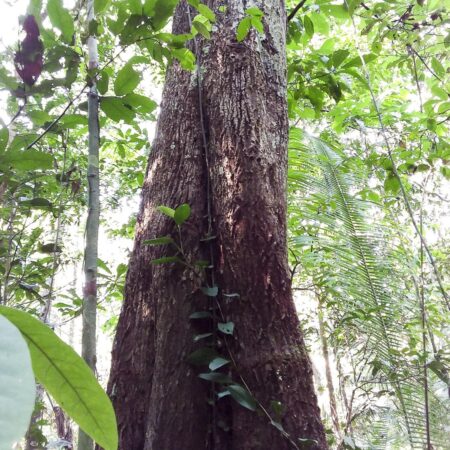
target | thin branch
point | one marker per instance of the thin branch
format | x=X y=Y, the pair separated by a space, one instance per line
x=71 y=102
x=295 y=10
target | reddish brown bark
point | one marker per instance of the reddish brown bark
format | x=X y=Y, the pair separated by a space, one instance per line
x=160 y=402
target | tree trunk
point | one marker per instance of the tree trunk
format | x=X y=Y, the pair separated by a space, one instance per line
x=241 y=178
x=88 y=338
x=329 y=376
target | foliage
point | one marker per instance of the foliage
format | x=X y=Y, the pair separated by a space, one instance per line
x=67 y=378
x=363 y=76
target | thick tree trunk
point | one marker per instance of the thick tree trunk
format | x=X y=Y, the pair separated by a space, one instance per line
x=161 y=404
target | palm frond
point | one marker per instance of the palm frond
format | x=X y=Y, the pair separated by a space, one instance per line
x=345 y=252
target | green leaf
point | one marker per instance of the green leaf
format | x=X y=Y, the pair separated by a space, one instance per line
x=116 y=110
x=127 y=80
x=391 y=184
x=67 y=378
x=309 y=26
x=100 y=5
x=445 y=171
x=243 y=28
x=4 y=137
x=226 y=327
x=201 y=28
x=182 y=214
x=169 y=212
x=163 y=240
x=103 y=82
x=166 y=260
x=26 y=160
x=102 y=265
x=437 y=67
x=337 y=11
x=38 y=203
x=215 y=377
x=61 y=19
x=254 y=11
x=339 y=56
x=217 y=363
x=140 y=103
x=18 y=391
x=206 y=12
x=185 y=57
x=257 y=24
x=159 y=11
x=243 y=397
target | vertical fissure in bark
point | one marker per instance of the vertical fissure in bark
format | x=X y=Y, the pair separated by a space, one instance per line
x=239 y=108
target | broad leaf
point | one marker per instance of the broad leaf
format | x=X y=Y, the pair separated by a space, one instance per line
x=100 y=5
x=166 y=260
x=67 y=378
x=169 y=212
x=26 y=160
x=217 y=363
x=226 y=328
x=61 y=19
x=215 y=377
x=182 y=214
x=127 y=80
x=163 y=240
x=243 y=28
x=116 y=110
x=17 y=385
x=159 y=11
x=243 y=397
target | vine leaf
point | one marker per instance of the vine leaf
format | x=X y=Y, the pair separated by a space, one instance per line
x=226 y=327
x=217 y=363
x=182 y=214
x=163 y=240
x=169 y=212
x=210 y=291
x=216 y=377
x=243 y=397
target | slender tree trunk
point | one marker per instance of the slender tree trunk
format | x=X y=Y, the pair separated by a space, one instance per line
x=88 y=340
x=328 y=374
x=240 y=177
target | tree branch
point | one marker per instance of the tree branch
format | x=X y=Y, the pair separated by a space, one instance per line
x=295 y=10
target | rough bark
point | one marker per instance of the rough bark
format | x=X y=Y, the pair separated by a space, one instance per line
x=159 y=400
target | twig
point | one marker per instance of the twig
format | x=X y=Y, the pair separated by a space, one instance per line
x=295 y=10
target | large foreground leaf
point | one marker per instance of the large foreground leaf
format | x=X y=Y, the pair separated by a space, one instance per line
x=17 y=385
x=67 y=378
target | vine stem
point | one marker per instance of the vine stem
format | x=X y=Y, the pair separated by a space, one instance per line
x=211 y=249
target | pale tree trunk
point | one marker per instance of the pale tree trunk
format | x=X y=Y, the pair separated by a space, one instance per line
x=328 y=374
x=88 y=340
x=159 y=400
